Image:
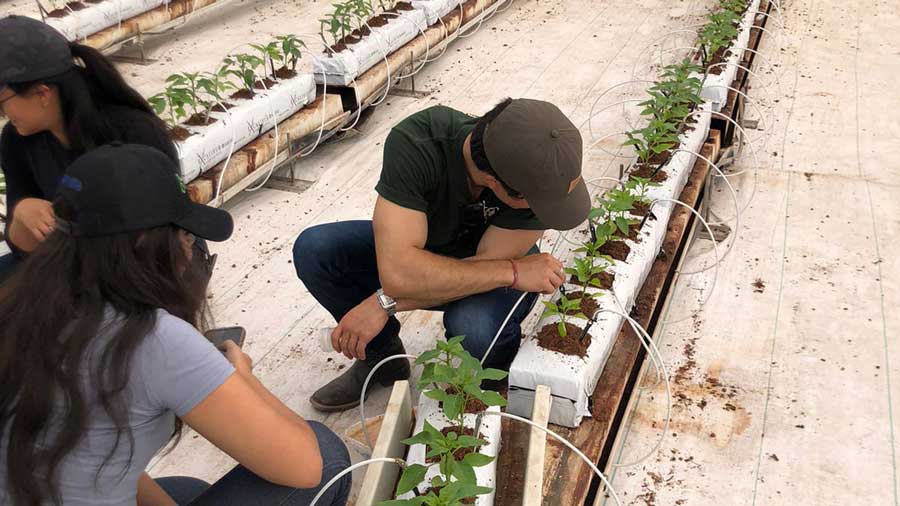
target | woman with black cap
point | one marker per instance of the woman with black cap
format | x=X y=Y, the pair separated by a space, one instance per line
x=101 y=360
x=62 y=100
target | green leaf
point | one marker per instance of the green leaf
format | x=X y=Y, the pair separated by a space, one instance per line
x=462 y=472
x=453 y=406
x=492 y=398
x=477 y=460
x=492 y=374
x=427 y=356
x=414 y=501
x=438 y=395
x=412 y=476
x=623 y=225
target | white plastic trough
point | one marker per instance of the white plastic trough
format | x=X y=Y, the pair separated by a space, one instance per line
x=343 y=67
x=243 y=123
x=572 y=379
x=715 y=86
x=435 y=9
x=80 y=24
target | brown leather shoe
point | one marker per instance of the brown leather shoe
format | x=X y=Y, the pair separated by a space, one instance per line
x=342 y=393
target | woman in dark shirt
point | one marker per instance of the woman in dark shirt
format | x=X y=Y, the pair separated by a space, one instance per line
x=62 y=99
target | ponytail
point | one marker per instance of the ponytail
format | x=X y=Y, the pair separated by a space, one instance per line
x=105 y=83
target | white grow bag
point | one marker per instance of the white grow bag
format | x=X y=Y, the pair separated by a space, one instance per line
x=715 y=86
x=572 y=379
x=244 y=122
x=77 y=25
x=435 y=9
x=429 y=409
x=341 y=68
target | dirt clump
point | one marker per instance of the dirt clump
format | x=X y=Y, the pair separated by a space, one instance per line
x=549 y=339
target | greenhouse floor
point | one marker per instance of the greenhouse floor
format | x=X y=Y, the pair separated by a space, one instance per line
x=782 y=383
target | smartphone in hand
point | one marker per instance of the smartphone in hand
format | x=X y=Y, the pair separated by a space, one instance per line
x=218 y=336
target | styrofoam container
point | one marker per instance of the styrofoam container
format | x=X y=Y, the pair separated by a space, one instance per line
x=429 y=409
x=713 y=87
x=435 y=9
x=572 y=379
x=341 y=68
x=77 y=25
x=244 y=122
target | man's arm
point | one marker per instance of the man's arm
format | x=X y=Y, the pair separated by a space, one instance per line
x=408 y=271
x=496 y=244
x=418 y=279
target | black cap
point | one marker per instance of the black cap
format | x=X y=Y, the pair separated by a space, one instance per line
x=537 y=150
x=31 y=50
x=123 y=188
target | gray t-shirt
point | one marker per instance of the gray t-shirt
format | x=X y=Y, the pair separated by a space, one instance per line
x=173 y=370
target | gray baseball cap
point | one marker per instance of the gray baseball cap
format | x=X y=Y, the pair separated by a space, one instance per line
x=31 y=50
x=535 y=148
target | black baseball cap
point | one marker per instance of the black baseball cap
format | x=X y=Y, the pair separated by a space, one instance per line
x=535 y=149
x=121 y=188
x=31 y=50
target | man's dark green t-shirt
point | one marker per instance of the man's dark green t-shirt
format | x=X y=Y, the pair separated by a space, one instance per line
x=424 y=170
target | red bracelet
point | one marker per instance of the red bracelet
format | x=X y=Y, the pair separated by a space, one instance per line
x=515 y=273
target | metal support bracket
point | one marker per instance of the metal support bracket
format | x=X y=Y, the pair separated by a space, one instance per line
x=410 y=92
x=136 y=42
x=720 y=233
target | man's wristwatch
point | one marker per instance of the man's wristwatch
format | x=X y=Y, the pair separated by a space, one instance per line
x=388 y=304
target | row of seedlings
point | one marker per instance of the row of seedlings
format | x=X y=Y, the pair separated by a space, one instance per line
x=212 y=114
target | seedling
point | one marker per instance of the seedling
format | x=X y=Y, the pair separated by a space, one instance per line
x=338 y=23
x=193 y=91
x=718 y=33
x=586 y=271
x=735 y=6
x=290 y=50
x=361 y=10
x=657 y=137
x=561 y=308
x=269 y=52
x=215 y=85
x=448 y=367
x=452 y=376
x=172 y=99
x=639 y=186
x=243 y=67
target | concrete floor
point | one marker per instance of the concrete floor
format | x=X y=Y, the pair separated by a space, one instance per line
x=783 y=389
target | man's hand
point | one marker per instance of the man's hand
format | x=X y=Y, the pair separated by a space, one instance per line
x=358 y=327
x=36 y=217
x=539 y=273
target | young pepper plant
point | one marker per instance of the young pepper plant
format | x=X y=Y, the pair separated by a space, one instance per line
x=586 y=271
x=337 y=22
x=448 y=367
x=173 y=99
x=270 y=53
x=563 y=308
x=243 y=67
x=291 y=50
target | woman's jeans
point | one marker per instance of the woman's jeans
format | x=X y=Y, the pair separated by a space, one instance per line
x=240 y=487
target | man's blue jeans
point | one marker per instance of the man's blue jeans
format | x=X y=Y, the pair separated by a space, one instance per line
x=240 y=487
x=336 y=262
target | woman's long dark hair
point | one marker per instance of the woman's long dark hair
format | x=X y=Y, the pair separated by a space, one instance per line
x=84 y=91
x=52 y=309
